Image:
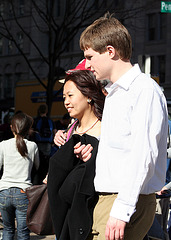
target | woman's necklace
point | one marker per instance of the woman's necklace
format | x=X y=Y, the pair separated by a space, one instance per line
x=88 y=128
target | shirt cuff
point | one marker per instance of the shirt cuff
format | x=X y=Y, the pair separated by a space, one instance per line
x=121 y=211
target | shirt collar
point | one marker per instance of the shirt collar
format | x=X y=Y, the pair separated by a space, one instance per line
x=125 y=80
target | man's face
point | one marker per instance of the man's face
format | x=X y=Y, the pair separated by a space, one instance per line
x=98 y=63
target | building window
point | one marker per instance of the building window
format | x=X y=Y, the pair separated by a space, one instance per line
x=10 y=47
x=58 y=8
x=20 y=7
x=158 y=65
x=17 y=77
x=8 y=86
x=161 y=67
x=68 y=44
x=20 y=40
x=1 y=45
x=1 y=89
x=1 y=9
x=162 y=29
x=10 y=11
x=151 y=27
x=95 y=4
x=70 y=7
x=156 y=26
x=152 y=66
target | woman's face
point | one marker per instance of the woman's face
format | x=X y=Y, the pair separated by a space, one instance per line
x=75 y=102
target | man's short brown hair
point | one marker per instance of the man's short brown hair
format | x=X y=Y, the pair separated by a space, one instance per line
x=106 y=31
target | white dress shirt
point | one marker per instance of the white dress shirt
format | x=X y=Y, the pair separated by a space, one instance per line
x=132 y=152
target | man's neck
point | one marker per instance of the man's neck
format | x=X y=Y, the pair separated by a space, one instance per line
x=119 y=69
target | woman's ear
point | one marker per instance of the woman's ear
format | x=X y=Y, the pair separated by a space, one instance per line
x=12 y=130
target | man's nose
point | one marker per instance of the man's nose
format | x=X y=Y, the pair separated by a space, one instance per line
x=87 y=65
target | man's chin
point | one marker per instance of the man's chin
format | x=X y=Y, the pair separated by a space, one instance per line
x=97 y=77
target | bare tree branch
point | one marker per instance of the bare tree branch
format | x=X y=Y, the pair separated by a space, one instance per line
x=60 y=31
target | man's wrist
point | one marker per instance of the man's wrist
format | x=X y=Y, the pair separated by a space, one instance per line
x=121 y=211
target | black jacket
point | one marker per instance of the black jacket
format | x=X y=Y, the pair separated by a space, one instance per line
x=71 y=190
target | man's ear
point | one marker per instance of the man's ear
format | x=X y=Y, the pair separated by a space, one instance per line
x=113 y=54
x=111 y=50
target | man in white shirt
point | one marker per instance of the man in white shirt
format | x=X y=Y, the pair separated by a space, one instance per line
x=131 y=159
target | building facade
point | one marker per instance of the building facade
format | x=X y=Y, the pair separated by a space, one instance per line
x=40 y=40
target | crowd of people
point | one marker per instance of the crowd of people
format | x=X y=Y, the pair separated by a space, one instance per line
x=111 y=154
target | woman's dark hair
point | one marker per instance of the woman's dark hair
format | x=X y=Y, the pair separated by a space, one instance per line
x=20 y=125
x=89 y=87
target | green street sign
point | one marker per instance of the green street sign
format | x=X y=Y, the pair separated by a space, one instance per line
x=165 y=7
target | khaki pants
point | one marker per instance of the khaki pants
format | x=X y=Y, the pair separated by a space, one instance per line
x=140 y=221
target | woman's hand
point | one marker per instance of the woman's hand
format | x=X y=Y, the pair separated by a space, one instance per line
x=60 y=138
x=83 y=151
x=45 y=179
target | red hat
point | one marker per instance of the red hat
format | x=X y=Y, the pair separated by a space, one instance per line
x=80 y=66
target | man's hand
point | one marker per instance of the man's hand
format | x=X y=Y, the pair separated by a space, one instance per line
x=83 y=151
x=60 y=138
x=161 y=191
x=115 y=229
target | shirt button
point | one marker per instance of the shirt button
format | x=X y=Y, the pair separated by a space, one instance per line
x=81 y=231
x=128 y=214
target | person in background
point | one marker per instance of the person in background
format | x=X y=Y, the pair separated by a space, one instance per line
x=161 y=222
x=44 y=130
x=167 y=189
x=63 y=123
x=43 y=133
x=132 y=152
x=5 y=130
x=17 y=156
